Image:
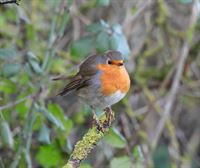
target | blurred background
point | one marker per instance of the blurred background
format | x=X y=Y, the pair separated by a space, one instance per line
x=157 y=124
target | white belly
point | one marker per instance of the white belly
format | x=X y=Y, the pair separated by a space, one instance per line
x=114 y=98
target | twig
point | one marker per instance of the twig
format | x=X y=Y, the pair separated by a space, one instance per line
x=75 y=12
x=11 y=104
x=89 y=141
x=2 y=2
x=130 y=18
x=176 y=82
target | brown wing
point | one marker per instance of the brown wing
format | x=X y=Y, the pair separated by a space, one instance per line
x=83 y=77
x=75 y=83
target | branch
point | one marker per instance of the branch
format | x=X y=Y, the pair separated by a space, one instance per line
x=2 y=2
x=90 y=140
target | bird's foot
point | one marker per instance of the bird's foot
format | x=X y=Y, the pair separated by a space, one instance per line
x=99 y=126
x=103 y=126
x=110 y=115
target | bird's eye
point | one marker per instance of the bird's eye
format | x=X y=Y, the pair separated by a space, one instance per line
x=109 y=62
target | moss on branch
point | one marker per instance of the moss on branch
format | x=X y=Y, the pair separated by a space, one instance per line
x=90 y=140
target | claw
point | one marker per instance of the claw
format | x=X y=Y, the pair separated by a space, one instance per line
x=96 y=122
x=110 y=115
x=103 y=126
x=100 y=127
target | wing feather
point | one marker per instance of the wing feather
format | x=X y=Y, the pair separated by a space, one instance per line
x=82 y=79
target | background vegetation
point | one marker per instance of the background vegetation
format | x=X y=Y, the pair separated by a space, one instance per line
x=157 y=124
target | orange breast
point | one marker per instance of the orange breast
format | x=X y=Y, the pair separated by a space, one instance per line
x=113 y=78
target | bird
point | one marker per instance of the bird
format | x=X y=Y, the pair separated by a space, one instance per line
x=102 y=81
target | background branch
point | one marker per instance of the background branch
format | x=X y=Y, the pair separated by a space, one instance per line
x=176 y=83
x=9 y=2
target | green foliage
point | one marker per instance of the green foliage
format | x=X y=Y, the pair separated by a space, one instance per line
x=10 y=69
x=161 y=157
x=51 y=117
x=6 y=135
x=101 y=37
x=44 y=134
x=119 y=162
x=7 y=53
x=48 y=156
x=58 y=112
x=103 y=2
x=115 y=139
x=36 y=44
x=82 y=47
x=185 y=1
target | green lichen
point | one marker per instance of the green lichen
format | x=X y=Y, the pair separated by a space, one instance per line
x=83 y=147
x=88 y=142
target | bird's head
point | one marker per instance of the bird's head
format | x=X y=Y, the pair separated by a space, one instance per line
x=113 y=58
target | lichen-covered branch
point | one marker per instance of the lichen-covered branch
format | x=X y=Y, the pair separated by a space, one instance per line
x=90 y=140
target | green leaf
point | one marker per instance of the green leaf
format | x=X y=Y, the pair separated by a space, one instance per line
x=36 y=67
x=102 y=42
x=33 y=63
x=185 y=1
x=32 y=56
x=161 y=157
x=104 y=24
x=10 y=69
x=103 y=2
x=119 y=162
x=6 y=134
x=48 y=156
x=58 y=112
x=136 y=152
x=22 y=109
x=28 y=69
x=82 y=47
x=7 y=86
x=52 y=118
x=115 y=139
x=7 y=53
x=118 y=41
x=44 y=134
x=102 y=38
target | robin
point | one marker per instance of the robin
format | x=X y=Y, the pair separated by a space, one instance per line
x=102 y=81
